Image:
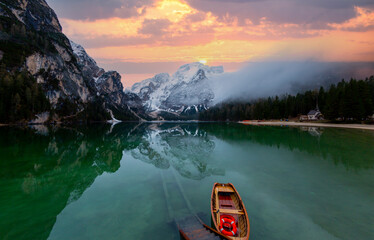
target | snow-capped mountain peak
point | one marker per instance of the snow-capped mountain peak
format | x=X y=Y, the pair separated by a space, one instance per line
x=187 y=72
x=156 y=81
x=189 y=86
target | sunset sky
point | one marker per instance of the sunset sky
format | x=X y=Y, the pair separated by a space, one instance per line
x=140 y=38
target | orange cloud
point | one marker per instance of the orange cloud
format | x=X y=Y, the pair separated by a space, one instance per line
x=113 y=27
x=173 y=10
x=362 y=22
x=172 y=30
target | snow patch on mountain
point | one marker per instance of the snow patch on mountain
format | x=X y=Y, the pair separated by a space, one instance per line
x=88 y=63
x=83 y=57
x=187 y=89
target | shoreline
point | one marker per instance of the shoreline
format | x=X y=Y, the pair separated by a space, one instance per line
x=310 y=124
x=253 y=123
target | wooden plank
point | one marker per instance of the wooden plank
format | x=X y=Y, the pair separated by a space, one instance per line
x=225 y=189
x=215 y=231
x=231 y=211
x=183 y=235
x=194 y=229
x=218 y=217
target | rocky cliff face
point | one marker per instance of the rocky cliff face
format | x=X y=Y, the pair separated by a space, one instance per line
x=88 y=64
x=185 y=93
x=108 y=86
x=61 y=77
x=32 y=41
x=35 y=14
x=68 y=75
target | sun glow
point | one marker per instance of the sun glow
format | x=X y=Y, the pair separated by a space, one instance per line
x=173 y=10
x=174 y=31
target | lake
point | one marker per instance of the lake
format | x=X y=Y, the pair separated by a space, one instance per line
x=109 y=181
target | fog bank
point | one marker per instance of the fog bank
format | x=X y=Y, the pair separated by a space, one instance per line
x=263 y=79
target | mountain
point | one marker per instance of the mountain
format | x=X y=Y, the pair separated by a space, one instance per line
x=184 y=94
x=109 y=87
x=32 y=46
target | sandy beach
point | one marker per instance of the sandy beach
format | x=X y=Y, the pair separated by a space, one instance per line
x=311 y=124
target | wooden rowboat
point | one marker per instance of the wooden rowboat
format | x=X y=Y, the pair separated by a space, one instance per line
x=227 y=206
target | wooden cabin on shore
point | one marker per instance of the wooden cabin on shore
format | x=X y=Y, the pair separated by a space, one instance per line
x=315 y=115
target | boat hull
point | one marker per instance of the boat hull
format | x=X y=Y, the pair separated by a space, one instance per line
x=226 y=202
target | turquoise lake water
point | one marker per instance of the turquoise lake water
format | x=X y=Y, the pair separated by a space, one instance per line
x=108 y=182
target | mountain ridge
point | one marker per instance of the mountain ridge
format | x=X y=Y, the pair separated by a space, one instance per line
x=32 y=42
x=183 y=94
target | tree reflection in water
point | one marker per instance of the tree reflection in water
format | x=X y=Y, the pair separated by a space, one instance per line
x=43 y=169
x=64 y=161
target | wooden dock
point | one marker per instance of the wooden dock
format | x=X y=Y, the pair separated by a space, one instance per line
x=192 y=228
x=181 y=213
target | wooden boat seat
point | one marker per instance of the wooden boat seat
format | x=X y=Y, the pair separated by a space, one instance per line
x=230 y=211
x=224 y=189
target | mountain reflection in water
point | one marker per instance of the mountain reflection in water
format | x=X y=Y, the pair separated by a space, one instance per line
x=184 y=147
x=43 y=169
x=40 y=159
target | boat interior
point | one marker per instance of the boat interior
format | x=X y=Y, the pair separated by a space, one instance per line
x=227 y=202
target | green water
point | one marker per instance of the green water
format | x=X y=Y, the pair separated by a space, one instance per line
x=107 y=182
